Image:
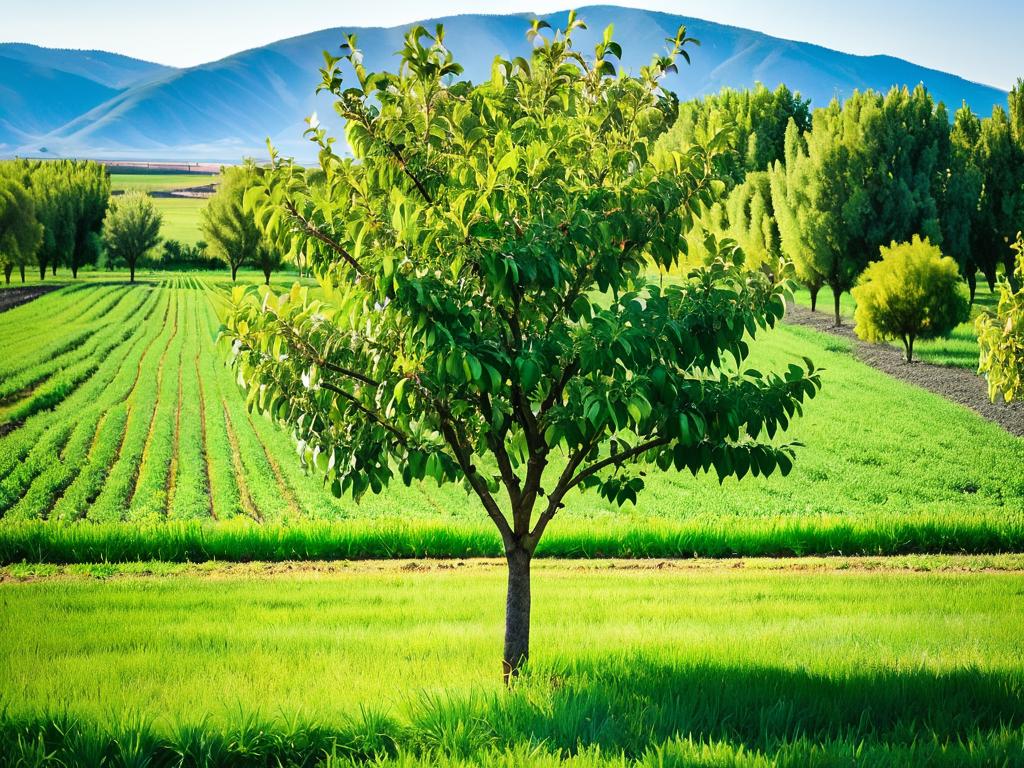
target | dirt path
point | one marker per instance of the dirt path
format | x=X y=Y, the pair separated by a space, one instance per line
x=958 y=385
x=15 y=297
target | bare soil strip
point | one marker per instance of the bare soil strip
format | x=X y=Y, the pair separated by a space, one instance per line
x=236 y=459
x=957 y=385
x=15 y=297
x=286 y=491
x=1010 y=565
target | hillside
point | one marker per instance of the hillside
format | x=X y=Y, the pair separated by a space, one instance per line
x=226 y=109
x=42 y=89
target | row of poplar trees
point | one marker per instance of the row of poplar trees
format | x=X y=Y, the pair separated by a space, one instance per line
x=826 y=189
x=51 y=214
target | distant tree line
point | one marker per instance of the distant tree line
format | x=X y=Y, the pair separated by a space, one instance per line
x=828 y=189
x=51 y=214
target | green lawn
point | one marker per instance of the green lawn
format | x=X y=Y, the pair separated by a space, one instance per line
x=160 y=182
x=181 y=218
x=916 y=661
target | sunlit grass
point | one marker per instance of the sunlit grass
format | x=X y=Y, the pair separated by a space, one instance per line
x=624 y=658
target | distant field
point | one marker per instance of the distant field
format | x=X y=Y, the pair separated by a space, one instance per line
x=181 y=218
x=800 y=663
x=116 y=408
x=159 y=182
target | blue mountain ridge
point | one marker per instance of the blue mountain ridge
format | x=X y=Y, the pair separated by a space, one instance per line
x=226 y=109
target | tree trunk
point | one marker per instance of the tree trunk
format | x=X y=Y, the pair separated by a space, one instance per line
x=234 y=271
x=908 y=347
x=74 y=271
x=972 y=283
x=517 y=614
x=266 y=278
x=42 y=271
x=54 y=268
x=21 y=269
x=814 y=297
x=835 y=295
x=131 y=269
x=8 y=268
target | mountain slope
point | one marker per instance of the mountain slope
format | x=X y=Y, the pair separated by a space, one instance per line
x=42 y=89
x=224 y=110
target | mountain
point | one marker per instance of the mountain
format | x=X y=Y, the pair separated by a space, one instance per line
x=226 y=109
x=42 y=89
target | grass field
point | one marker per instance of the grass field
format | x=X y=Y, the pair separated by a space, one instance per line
x=838 y=662
x=181 y=218
x=159 y=182
x=116 y=409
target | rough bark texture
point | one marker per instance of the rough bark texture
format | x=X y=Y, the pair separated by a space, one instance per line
x=517 y=614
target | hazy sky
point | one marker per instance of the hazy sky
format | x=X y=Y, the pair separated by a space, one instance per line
x=978 y=39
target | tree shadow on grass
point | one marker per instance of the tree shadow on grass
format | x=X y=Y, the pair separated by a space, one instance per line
x=626 y=704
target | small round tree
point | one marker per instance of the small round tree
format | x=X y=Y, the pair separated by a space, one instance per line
x=912 y=293
x=487 y=312
x=131 y=229
x=1001 y=337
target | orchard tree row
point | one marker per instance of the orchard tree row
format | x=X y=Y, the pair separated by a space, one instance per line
x=61 y=213
x=829 y=189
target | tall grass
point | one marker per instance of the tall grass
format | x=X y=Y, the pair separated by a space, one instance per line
x=708 y=667
x=240 y=541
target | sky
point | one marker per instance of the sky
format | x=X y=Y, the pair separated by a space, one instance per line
x=977 y=39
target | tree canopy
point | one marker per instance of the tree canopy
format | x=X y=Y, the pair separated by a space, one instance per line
x=485 y=313
x=131 y=229
x=20 y=232
x=912 y=293
x=231 y=231
x=1001 y=337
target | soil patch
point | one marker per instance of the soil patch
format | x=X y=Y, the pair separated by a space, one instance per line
x=958 y=385
x=15 y=297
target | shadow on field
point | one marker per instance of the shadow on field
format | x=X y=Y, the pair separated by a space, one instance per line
x=625 y=704
x=627 y=710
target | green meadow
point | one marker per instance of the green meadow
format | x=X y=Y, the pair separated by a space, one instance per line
x=745 y=663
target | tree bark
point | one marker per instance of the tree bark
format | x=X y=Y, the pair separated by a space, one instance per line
x=7 y=273
x=74 y=271
x=835 y=295
x=517 y=614
x=908 y=346
x=42 y=271
x=814 y=297
x=131 y=270
x=21 y=269
x=266 y=278
x=972 y=283
x=53 y=267
x=234 y=271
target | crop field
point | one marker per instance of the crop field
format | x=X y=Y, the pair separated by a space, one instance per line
x=117 y=409
x=159 y=182
x=744 y=663
x=181 y=218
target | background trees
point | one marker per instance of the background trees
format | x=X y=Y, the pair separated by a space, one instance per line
x=1001 y=337
x=69 y=198
x=131 y=229
x=231 y=230
x=912 y=293
x=487 y=317
x=20 y=232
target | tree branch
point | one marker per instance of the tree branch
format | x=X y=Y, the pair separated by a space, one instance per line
x=618 y=458
x=314 y=231
x=377 y=418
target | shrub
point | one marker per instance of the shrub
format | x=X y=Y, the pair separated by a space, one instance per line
x=1001 y=337
x=912 y=293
